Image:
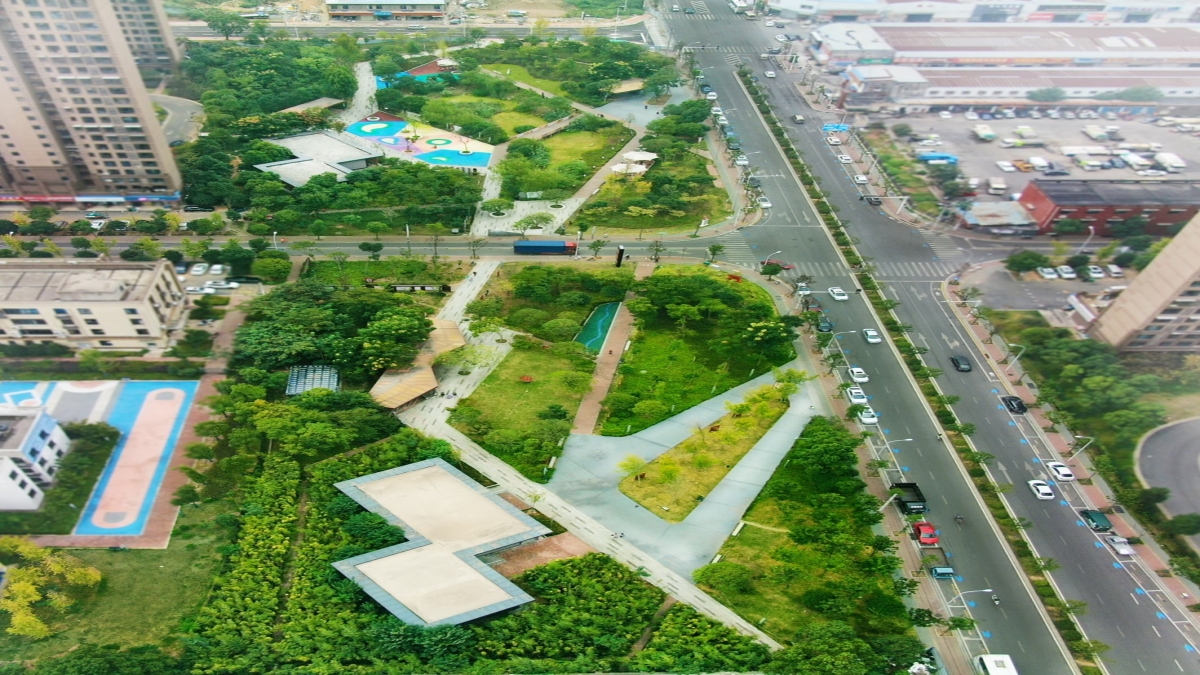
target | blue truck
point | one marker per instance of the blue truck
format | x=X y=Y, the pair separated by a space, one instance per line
x=529 y=247
x=937 y=157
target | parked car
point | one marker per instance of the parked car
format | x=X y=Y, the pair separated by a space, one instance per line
x=1047 y=273
x=861 y=180
x=926 y=533
x=192 y=209
x=199 y=268
x=181 y=268
x=872 y=336
x=741 y=160
x=199 y=290
x=971 y=115
x=845 y=159
x=763 y=203
x=1060 y=471
x=1006 y=166
x=873 y=201
x=868 y=416
x=217 y=269
x=1041 y=489
x=1014 y=404
x=1152 y=173
x=781 y=38
x=93 y=214
x=825 y=325
x=722 y=120
x=802 y=290
x=833 y=140
x=1095 y=271
x=711 y=96
x=838 y=294
x=1120 y=545
x=946 y=114
x=1066 y=272
x=716 y=109
x=856 y=395
x=769 y=73
x=858 y=375
x=222 y=285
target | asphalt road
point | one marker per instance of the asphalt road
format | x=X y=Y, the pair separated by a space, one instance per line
x=1124 y=610
x=182 y=116
x=1170 y=458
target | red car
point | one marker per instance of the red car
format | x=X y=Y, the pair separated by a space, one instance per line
x=784 y=265
x=926 y=533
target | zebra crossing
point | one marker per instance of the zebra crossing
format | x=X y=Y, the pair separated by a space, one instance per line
x=943 y=246
x=698 y=16
x=733 y=59
x=736 y=250
x=700 y=7
x=927 y=270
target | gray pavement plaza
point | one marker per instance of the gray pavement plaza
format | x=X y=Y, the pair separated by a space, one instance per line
x=587 y=477
x=1002 y=291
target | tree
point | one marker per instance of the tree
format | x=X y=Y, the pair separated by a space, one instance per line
x=771 y=269
x=1047 y=95
x=437 y=232
x=226 y=23
x=371 y=248
x=714 y=251
x=474 y=245
x=1130 y=227
x=497 y=206
x=682 y=314
x=533 y=221
x=1186 y=524
x=1091 y=649
x=631 y=465
x=318 y=228
x=41 y=212
x=1069 y=226
x=960 y=623
x=186 y=494
x=377 y=228
x=596 y=246
x=650 y=409
x=1149 y=497
x=1079 y=260
x=902 y=130
x=725 y=576
x=656 y=249
x=1025 y=261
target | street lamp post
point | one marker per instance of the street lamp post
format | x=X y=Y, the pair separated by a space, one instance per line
x=1084 y=245
x=1014 y=361
x=981 y=590
x=1085 y=446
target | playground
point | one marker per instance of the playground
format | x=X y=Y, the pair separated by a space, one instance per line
x=428 y=144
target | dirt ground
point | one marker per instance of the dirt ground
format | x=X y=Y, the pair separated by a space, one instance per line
x=540 y=552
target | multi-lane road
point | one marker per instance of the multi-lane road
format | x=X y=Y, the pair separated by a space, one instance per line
x=1145 y=628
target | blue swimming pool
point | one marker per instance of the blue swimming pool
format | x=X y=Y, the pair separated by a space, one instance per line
x=595 y=329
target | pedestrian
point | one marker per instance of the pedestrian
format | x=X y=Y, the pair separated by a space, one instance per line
x=610 y=351
x=939 y=437
x=622 y=535
x=647 y=107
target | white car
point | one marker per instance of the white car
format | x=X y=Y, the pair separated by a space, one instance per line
x=858 y=375
x=721 y=119
x=222 y=285
x=1120 y=545
x=742 y=160
x=838 y=294
x=1041 y=489
x=833 y=140
x=217 y=269
x=1066 y=272
x=1035 y=114
x=856 y=395
x=803 y=290
x=1060 y=471
x=781 y=38
x=769 y=73
x=199 y=290
x=763 y=203
x=199 y=268
x=1006 y=166
x=712 y=96
x=872 y=336
x=929 y=141
x=946 y=114
x=1095 y=271
x=868 y=416
x=971 y=115
x=1151 y=172
x=1047 y=273
x=861 y=180
x=716 y=110
x=845 y=159
x=1068 y=115
x=769 y=23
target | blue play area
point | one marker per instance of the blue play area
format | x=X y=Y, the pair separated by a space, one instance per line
x=595 y=329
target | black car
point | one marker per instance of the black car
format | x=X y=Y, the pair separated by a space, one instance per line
x=245 y=280
x=961 y=363
x=825 y=326
x=191 y=209
x=1014 y=404
x=734 y=144
x=775 y=50
x=754 y=181
x=704 y=89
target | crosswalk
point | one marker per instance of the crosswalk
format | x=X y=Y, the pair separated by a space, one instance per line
x=733 y=59
x=700 y=7
x=943 y=246
x=738 y=252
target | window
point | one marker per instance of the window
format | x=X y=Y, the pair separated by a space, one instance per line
x=92 y=322
x=43 y=435
x=137 y=322
x=19 y=311
x=106 y=343
x=96 y=331
x=12 y=475
x=84 y=310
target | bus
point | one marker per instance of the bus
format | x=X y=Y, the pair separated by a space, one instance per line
x=995 y=664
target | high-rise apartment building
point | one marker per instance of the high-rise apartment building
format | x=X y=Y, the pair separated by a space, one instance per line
x=1160 y=311
x=76 y=123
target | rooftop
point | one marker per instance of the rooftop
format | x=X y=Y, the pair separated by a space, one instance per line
x=997 y=214
x=837 y=36
x=317 y=153
x=1121 y=192
x=51 y=280
x=891 y=73
x=396 y=388
x=1067 y=78
x=324 y=102
x=1133 y=39
x=15 y=429
x=436 y=577
x=305 y=378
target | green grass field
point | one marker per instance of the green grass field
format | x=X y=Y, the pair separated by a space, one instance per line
x=399 y=270
x=510 y=120
x=569 y=146
x=519 y=74
x=145 y=594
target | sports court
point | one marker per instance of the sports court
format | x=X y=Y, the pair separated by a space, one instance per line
x=150 y=415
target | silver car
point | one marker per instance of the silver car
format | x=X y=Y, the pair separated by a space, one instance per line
x=872 y=336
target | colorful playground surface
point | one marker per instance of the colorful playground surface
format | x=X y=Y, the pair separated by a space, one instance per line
x=150 y=416
x=421 y=141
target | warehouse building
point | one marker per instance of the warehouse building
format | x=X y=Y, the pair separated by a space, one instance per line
x=1165 y=204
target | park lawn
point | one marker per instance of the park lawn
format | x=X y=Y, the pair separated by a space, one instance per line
x=569 y=146
x=511 y=119
x=399 y=270
x=146 y=595
x=468 y=98
x=677 y=481
x=519 y=74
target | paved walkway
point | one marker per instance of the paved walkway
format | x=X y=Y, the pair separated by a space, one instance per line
x=364 y=97
x=611 y=353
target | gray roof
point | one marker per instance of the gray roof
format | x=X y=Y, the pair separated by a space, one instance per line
x=304 y=378
x=1121 y=192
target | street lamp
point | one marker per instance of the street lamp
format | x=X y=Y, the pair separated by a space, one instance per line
x=1014 y=361
x=982 y=590
x=773 y=255
x=833 y=339
x=1085 y=445
x=1091 y=233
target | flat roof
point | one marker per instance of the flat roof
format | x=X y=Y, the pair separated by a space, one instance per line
x=297 y=172
x=304 y=378
x=17 y=428
x=997 y=214
x=851 y=36
x=323 y=102
x=49 y=280
x=1103 y=79
x=449 y=519
x=892 y=73
x=1121 y=192
x=329 y=147
x=1031 y=40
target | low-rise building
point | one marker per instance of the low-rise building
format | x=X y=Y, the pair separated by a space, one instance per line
x=31 y=445
x=1160 y=309
x=1165 y=204
x=89 y=304
x=869 y=87
x=998 y=218
x=320 y=152
x=1068 y=12
x=374 y=10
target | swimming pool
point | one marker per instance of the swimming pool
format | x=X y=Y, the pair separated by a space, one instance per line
x=595 y=329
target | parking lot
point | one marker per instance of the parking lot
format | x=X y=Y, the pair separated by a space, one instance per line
x=978 y=159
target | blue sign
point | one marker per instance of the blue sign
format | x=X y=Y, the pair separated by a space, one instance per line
x=835 y=127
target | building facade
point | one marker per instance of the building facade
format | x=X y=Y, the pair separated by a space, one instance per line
x=1160 y=310
x=85 y=304
x=31 y=446
x=78 y=126
x=964 y=11
x=1165 y=204
x=377 y=10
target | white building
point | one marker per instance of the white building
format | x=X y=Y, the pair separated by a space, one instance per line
x=31 y=446
x=967 y=11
